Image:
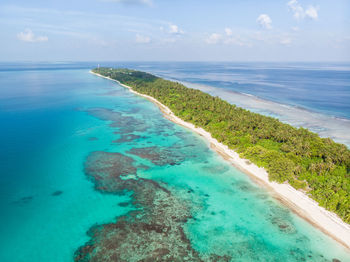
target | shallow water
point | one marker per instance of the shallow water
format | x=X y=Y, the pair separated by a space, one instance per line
x=80 y=151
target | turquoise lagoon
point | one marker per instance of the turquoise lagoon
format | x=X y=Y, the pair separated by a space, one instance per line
x=53 y=120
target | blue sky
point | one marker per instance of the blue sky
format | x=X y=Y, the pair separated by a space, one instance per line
x=182 y=30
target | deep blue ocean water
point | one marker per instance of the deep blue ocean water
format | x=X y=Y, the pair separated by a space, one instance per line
x=48 y=204
x=318 y=87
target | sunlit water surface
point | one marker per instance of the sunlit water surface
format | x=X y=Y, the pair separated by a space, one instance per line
x=52 y=120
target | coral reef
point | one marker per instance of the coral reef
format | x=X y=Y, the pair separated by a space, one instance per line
x=153 y=232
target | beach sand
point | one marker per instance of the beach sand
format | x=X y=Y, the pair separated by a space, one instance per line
x=297 y=201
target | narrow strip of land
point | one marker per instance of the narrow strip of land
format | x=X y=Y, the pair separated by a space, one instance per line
x=296 y=200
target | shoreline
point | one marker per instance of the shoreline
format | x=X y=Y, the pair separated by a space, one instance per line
x=324 y=125
x=305 y=207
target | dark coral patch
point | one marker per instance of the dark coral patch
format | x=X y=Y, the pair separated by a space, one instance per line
x=24 y=200
x=136 y=241
x=154 y=232
x=107 y=168
x=284 y=226
x=108 y=114
x=126 y=138
x=159 y=156
x=57 y=193
x=123 y=204
x=142 y=166
x=190 y=191
x=281 y=219
x=92 y=138
x=125 y=123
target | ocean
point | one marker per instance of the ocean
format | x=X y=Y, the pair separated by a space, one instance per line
x=311 y=95
x=64 y=131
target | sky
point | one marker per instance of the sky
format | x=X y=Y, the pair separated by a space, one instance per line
x=181 y=30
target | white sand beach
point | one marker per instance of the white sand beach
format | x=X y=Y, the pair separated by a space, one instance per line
x=297 y=201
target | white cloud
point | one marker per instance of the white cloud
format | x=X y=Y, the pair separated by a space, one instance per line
x=28 y=36
x=174 y=29
x=265 y=21
x=228 y=31
x=213 y=38
x=300 y=13
x=142 y=39
x=172 y=33
x=295 y=28
x=311 y=12
x=295 y=7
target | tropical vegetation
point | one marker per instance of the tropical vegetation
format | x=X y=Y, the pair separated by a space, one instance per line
x=318 y=166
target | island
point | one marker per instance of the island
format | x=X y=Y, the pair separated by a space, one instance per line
x=306 y=171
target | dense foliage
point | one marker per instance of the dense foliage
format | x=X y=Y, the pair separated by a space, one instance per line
x=319 y=166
